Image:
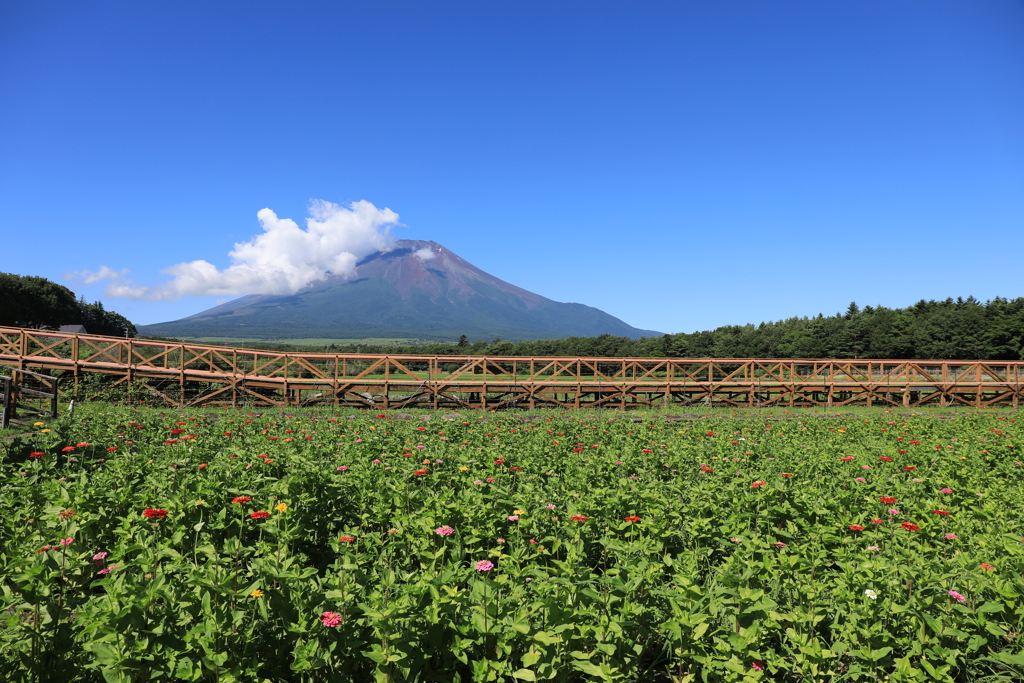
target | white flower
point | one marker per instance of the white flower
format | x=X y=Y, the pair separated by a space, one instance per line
x=871 y=594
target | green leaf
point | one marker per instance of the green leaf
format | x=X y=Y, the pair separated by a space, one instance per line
x=525 y=675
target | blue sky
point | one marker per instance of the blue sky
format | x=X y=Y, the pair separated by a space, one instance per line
x=679 y=165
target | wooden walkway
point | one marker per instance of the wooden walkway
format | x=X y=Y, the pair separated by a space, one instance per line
x=193 y=374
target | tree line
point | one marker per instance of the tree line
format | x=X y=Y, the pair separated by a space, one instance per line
x=38 y=303
x=960 y=329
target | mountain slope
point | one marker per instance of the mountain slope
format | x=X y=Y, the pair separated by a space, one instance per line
x=418 y=289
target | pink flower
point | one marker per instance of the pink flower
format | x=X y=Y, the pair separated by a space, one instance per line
x=376 y=462
x=342 y=469
x=484 y=566
x=550 y=506
x=478 y=482
x=66 y=541
x=950 y=537
x=100 y=556
x=893 y=511
x=513 y=518
x=330 y=619
x=865 y=467
x=947 y=491
x=758 y=666
x=444 y=531
x=107 y=570
x=956 y=596
x=860 y=479
x=491 y=480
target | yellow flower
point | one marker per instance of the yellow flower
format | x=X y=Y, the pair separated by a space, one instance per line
x=44 y=431
x=372 y=427
x=281 y=507
x=38 y=424
x=256 y=593
x=519 y=512
x=463 y=469
x=200 y=502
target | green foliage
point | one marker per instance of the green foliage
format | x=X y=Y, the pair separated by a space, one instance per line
x=614 y=549
x=31 y=301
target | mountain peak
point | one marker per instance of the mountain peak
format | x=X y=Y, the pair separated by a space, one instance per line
x=416 y=289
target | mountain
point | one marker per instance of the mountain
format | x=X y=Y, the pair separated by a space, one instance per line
x=418 y=289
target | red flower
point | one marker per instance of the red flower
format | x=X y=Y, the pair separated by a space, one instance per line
x=707 y=469
x=178 y=431
x=647 y=450
x=887 y=500
x=421 y=472
x=499 y=462
x=241 y=500
x=112 y=449
x=579 y=518
x=37 y=454
x=758 y=483
x=346 y=539
x=68 y=449
x=885 y=458
x=261 y=514
x=577 y=450
x=903 y=452
x=910 y=526
x=154 y=512
x=909 y=469
x=940 y=512
x=914 y=443
x=515 y=469
x=876 y=520
x=847 y=458
x=632 y=518
x=203 y=466
x=787 y=475
x=856 y=527
x=712 y=434
x=987 y=567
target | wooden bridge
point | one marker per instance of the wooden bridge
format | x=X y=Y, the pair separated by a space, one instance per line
x=182 y=374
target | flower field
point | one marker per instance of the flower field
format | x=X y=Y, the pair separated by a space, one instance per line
x=221 y=545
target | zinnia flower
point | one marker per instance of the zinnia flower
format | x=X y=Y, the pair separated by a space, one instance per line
x=987 y=567
x=484 y=566
x=632 y=518
x=871 y=594
x=758 y=483
x=421 y=472
x=444 y=531
x=910 y=526
x=261 y=514
x=887 y=500
x=154 y=512
x=856 y=527
x=346 y=538
x=238 y=500
x=950 y=537
x=956 y=596
x=940 y=512
x=579 y=518
x=330 y=619
x=946 y=491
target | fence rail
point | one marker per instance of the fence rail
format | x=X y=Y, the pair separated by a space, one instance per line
x=23 y=392
x=183 y=374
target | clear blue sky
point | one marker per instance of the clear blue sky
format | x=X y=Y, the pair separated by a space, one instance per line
x=680 y=165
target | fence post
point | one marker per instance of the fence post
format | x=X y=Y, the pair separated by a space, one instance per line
x=5 y=383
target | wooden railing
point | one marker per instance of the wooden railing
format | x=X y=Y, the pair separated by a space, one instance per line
x=191 y=374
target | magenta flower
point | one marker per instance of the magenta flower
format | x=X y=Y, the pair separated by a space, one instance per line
x=757 y=666
x=330 y=619
x=893 y=511
x=956 y=596
x=444 y=531
x=66 y=541
x=950 y=537
x=484 y=566
x=342 y=469
x=107 y=570
x=100 y=556
x=860 y=479
x=947 y=491
x=491 y=480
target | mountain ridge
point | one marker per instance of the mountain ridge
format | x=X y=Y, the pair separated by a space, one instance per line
x=417 y=289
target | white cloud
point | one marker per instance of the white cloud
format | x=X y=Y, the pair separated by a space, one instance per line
x=283 y=259
x=89 y=277
x=424 y=254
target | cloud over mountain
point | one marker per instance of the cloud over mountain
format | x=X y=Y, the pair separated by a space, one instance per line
x=283 y=259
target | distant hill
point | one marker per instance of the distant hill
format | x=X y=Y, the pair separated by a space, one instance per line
x=418 y=289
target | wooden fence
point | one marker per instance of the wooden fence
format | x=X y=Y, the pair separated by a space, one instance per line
x=26 y=392
x=183 y=374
